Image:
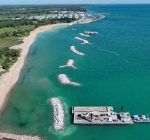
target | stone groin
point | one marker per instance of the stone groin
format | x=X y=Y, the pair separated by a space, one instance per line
x=8 y=136
x=63 y=79
x=82 y=40
x=70 y=63
x=58 y=114
x=73 y=49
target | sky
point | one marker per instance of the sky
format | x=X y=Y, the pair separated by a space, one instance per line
x=2 y=2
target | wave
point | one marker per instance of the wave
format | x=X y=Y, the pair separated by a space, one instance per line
x=63 y=79
x=98 y=16
x=73 y=49
x=116 y=54
x=102 y=16
x=74 y=29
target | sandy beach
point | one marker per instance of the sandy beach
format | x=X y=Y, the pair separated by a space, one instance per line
x=9 y=79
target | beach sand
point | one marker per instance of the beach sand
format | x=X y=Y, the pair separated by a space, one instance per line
x=9 y=79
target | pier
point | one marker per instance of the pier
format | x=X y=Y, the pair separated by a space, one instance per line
x=100 y=115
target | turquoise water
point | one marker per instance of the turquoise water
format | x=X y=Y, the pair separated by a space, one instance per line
x=115 y=71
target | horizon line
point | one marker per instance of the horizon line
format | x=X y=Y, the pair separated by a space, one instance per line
x=78 y=4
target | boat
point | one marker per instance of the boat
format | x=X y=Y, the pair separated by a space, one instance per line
x=90 y=33
x=141 y=118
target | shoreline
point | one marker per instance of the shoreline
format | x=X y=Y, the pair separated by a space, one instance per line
x=10 y=78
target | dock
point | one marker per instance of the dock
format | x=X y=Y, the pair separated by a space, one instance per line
x=100 y=115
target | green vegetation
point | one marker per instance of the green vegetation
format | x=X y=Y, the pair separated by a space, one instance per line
x=9 y=40
x=17 y=22
x=11 y=36
x=7 y=58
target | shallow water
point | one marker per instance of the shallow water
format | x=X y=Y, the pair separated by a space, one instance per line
x=114 y=71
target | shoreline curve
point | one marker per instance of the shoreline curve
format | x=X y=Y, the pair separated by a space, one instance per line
x=10 y=78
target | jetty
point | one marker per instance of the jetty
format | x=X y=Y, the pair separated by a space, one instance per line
x=90 y=32
x=85 y=35
x=73 y=49
x=66 y=81
x=8 y=136
x=82 y=40
x=70 y=63
x=100 y=115
x=58 y=114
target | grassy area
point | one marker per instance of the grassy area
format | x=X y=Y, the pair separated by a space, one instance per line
x=11 y=39
x=18 y=22
x=3 y=18
x=8 y=57
x=22 y=28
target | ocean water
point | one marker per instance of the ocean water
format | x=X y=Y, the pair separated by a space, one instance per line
x=115 y=71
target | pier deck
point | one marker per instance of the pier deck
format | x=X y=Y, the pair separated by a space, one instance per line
x=99 y=115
